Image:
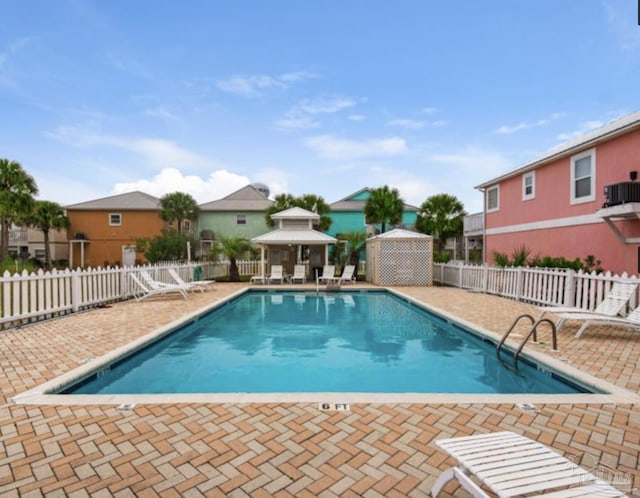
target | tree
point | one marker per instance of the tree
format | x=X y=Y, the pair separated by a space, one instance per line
x=178 y=207
x=384 y=206
x=355 y=242
x=169 y=246
x=441 y=216
x=232 y=248
x=47 y=216
x=310 y=202
x=17 y=191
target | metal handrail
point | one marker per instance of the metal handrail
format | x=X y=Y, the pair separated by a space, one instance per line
x=532 y=332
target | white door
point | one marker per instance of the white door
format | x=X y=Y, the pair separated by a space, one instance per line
x=128 y=256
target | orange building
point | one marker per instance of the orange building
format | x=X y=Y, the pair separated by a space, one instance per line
x=104 y=231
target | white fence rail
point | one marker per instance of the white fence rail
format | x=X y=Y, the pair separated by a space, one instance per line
x=540 y=286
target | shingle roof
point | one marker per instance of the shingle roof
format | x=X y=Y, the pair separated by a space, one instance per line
x=612 y=129
x=130 y=201
x=284 y=236
x=346 y=204
x=246 y=199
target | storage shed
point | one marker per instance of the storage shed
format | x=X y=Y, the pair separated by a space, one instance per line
x=400 y=257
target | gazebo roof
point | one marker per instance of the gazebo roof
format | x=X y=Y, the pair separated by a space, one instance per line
x=295 y=213
x=294 y=236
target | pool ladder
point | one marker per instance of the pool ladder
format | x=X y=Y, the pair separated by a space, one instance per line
x=532 y=332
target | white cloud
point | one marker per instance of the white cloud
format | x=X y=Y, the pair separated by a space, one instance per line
x=258 y=84
x=162 y=113
x=340 y=149
x=414 y=189
x=356 y=117
x=406 y=123
x=157 y=152
x=219 y=184
x=325 y=105
x=428 y=110
x=507 y=129
x=585 y=127
x=296 y=121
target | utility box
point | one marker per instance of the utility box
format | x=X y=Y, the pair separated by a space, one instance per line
x=400 y=257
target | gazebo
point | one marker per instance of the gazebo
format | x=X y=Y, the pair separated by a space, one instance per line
x=294 y=242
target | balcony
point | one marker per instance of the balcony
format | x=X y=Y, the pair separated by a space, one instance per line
x=473 y=224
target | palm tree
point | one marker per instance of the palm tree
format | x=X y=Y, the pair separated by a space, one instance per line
x=178 y=207
x=355 y=243
x=47 y=216
x=280 y=203
x=17 y=191
x=383 y=206
x=441 y=216
x=232 y=248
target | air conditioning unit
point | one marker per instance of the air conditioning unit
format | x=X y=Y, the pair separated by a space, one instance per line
x=80 y=236
x=621 y=193
x=206 y=235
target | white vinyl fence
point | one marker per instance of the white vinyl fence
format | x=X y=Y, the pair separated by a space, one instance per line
x=26 y=297
x=540 y=286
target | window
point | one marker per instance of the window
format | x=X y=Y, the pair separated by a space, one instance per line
x=115 y=219
x=493 y=198
x=583 y=177
x=187 y=226
x=241 y=219
x=529 y=186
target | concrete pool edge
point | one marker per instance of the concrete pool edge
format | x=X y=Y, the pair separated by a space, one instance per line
x=45 y=394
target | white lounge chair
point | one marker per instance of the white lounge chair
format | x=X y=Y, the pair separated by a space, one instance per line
x=512 y=465
x=142 y=291
x=276 y=274
x=347 y=276
x=328 y=274
x=632 y=320
x=613 y=303
x=201 y=285
x=299 y=274
x=156 y=284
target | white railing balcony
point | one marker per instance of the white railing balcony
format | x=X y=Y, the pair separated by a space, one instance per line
x=473 y=224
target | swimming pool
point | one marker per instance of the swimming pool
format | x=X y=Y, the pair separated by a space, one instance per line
x=291 y=342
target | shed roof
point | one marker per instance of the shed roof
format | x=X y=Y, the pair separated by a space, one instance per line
x=400 y=233
x=247 y=198
x=611 y=130
x=130 y=201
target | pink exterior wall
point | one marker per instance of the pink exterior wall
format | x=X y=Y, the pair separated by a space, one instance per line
x=614 y=160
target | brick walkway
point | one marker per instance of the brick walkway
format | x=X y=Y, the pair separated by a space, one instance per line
x=280 y=449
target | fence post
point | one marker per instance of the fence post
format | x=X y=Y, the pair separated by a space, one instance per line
x=519 y=283
x=485 y=278
x=569 y=297
x=460 y=276
x=76 y=290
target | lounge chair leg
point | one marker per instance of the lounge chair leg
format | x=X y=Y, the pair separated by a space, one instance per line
x=464 y=480
x=582 y=328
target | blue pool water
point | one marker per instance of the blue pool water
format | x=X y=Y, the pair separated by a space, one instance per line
x=338 y=342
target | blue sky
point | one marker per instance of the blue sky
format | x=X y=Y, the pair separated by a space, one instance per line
x=322 y=97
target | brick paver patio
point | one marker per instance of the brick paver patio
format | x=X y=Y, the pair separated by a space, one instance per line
x=281 y=449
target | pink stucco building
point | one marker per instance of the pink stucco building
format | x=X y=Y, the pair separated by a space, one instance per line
x=556 y=205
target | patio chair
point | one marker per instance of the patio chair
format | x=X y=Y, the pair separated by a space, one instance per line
x=299 y=274
x=328 y=274
x=276 y=274
x=201 y=285
x=632 y=320
x=613 y=303
x=512 y=465
x=142 y=291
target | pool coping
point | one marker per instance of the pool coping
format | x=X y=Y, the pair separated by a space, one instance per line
x=42 y=394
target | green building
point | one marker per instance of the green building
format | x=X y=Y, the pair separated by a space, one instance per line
x=347 y=215
x=240 y=214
